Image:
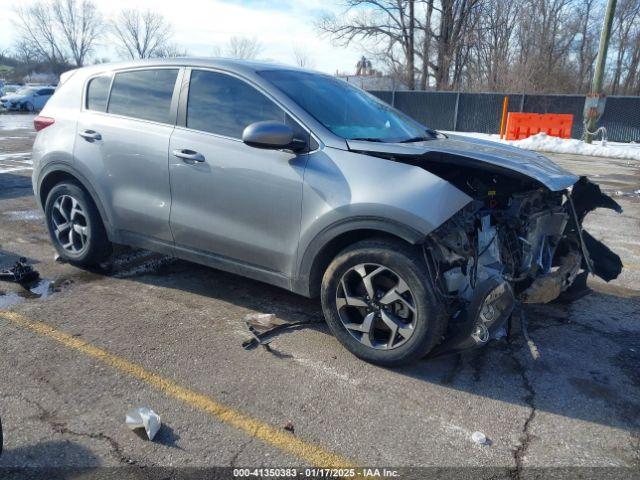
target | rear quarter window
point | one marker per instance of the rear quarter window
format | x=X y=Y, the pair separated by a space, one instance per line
x=98 y=93
x=144 y=94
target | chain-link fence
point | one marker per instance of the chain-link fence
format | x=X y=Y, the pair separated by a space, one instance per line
x=481 y=112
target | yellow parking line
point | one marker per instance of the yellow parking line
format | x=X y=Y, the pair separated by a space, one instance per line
x=631 y=266
x=270 y=435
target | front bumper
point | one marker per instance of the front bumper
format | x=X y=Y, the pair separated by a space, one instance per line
x=11 y=105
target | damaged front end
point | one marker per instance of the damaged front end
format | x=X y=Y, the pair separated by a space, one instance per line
x=517 y=241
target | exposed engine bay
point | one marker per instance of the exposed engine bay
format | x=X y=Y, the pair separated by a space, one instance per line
x=519 y=239
x=515 y=242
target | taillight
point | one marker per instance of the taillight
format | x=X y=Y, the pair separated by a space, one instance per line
x=42 y=122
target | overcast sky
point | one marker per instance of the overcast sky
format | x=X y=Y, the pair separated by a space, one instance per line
x=200 y=25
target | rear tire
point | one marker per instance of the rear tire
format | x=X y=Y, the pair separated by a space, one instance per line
x=28 y=106
x=75 y=226
x=403 y=319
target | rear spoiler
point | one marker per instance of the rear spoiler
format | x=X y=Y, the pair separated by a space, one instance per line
x=66 y=76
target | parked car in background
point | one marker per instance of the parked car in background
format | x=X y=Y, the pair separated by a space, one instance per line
x=9 y=88
x=28 y=99
x=416 y=242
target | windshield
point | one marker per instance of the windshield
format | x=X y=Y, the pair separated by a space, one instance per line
x=344 y=109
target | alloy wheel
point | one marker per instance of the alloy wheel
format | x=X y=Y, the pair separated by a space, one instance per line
x=376 y=306
x=70 y=224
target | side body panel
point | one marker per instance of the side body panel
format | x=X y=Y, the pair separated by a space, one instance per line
x=129 y=168
x=346 y=190
x=55 y=143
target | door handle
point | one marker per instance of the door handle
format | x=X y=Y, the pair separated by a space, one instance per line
x=90 y=135
x=189 y=156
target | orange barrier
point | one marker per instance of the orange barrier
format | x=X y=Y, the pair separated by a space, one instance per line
x=523 y=125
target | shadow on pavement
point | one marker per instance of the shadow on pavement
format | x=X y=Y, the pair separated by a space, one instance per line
x=16 y=462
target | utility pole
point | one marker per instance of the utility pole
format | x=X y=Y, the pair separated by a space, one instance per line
x=594 y=103
x=411 y=46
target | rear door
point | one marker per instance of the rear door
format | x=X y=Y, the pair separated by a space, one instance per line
x=235 y=201
x=123 y=140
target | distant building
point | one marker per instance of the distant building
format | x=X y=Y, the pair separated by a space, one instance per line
x=368 y=78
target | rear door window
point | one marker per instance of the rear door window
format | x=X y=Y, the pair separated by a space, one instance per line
x=225 y=105
x=98 y=93
x=144 y=94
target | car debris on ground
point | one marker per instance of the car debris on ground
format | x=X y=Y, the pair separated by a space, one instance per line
x=265 y=327
x=144 y=417
x=20 y=272
x=289 y=427
x=480 y=438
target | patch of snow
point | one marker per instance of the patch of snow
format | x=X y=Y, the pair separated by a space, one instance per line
x=10 y=156
x=542 y=142
x=13 y=121
x=13 y=162
x=24 y=214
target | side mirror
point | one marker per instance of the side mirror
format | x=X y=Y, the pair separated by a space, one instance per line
x=271 y=135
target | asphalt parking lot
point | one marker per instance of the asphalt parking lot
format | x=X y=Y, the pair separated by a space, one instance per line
x=83 y=347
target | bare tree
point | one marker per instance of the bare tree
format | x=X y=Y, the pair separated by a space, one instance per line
x=492 y=52
x=546 y=32
x=303 y=58
x=625 y=28
x=631 y=85
x=172 y=50
x=141 y=34
x=390 y=24
x=456 y=20
x=495 y=45
x=24 y=53
x=38 y=34
x=80 y=24
x=59 y=30
x=589 y=16
x=244 y=48
x=424 y=52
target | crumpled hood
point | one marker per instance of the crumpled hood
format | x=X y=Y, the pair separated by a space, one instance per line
x=530 y=164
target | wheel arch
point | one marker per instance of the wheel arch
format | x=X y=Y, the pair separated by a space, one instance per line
x=329 y=242
x=55 y=173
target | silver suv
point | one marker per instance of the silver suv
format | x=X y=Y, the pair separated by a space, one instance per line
x=416 y=242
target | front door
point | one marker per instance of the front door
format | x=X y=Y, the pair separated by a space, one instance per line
x=229 y=199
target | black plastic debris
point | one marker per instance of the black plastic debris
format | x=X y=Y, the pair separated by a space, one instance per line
x=265 y=327
x=20 y=273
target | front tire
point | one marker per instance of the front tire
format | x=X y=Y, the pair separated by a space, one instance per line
x=75 y=226
x=28 y=106
x=378 y=301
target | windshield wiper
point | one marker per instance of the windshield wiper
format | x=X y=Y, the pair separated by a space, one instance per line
x=414 y=139
x=432 y=134
x=367 y=139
